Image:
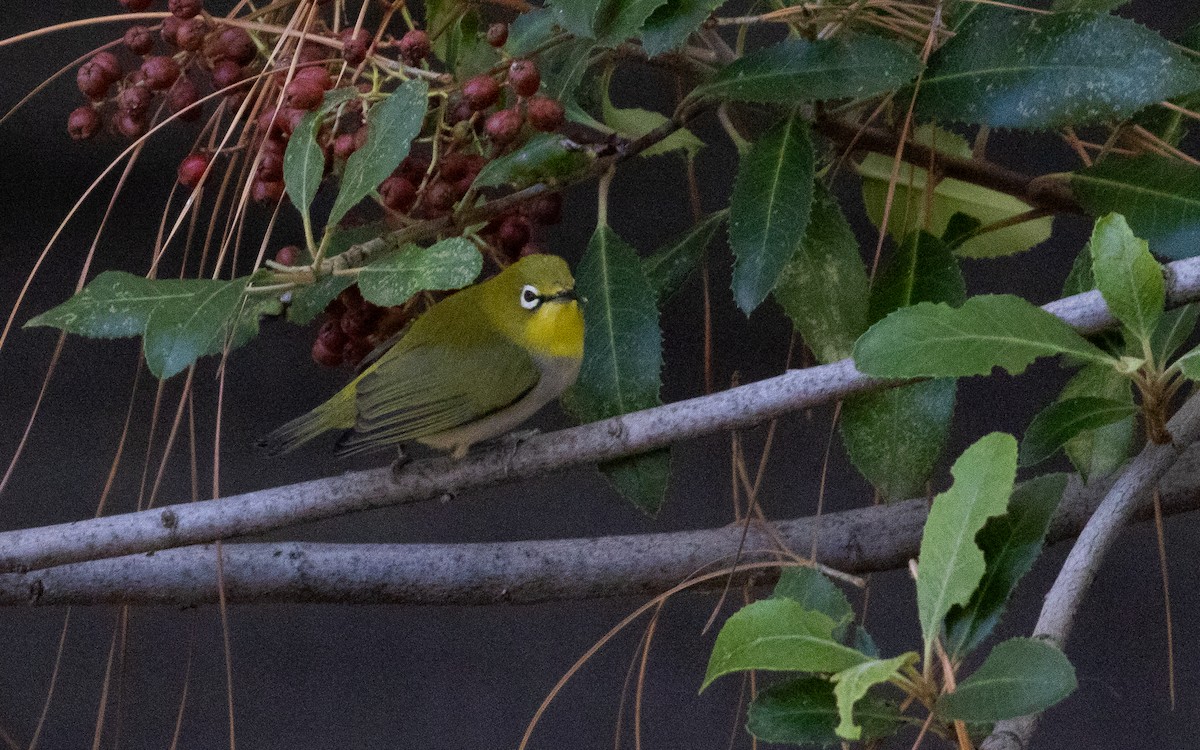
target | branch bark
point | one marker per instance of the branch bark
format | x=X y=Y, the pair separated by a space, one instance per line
x=257 y=512
x=857 y=541
x=1127 y=494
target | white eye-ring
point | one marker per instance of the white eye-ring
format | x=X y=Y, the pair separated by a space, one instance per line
x=530 y=298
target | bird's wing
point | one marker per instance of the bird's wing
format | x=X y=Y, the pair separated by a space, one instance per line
x=421 y=391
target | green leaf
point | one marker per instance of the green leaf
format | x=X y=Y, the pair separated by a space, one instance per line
x=622 y=361
x=310 y=301
x=304 y=164
x=814 y=591
x=450 y=264
x=1086 y=6
x=1020 y=676
x=460 y=45
x=546 y=157
x=950 y=565
x=564 y=68
x=797 y=71
x=1010 y=543
x=851 y=685
x=1128 y=276
x=824 y=287
x=635 y=122
x=1063 y=420
x=1099 y=452
x=192 y=324
x=805 y=712
x=392 y=124
x=769 y=209
x=1174 y=328
x=672 y=23
x=609 y=22
x=993 y=330
x=528 y=31
x=913 y=209
x=778 y=635
x=115 y=304
x=1189 y=364
x=922 y=270
x=862 y=641
x=668 y=268
x=1160 y=198
x=1051 y=70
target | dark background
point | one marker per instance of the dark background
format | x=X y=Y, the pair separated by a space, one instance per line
x=449 y=677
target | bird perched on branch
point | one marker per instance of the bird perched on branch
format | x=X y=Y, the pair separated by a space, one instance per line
x=473 y=367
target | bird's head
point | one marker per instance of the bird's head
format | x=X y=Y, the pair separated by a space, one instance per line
x=534 y=301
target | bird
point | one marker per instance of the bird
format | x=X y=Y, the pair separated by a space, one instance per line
x=473 y=367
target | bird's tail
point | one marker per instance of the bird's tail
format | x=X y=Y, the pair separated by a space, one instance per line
x=336 y=413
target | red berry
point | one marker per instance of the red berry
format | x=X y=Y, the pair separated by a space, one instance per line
x=170 y=30
x=355 y=45
x=441 y=195
x=92 y=80
x=304 y=93
x=344 y=145
x=330 y=333
x=503 y=126
x=83 y=122
x=270 y=166
x=545 y=114
x=311 y=52
x=398 y=193
x=134 y=100
x=475 y=165
x=191 y=169
x=182 y=96
x=351 y=298
x=264 y=191
x=139 y=40
x=453 y=167
x=544 y=209
x=185 y=8
x=325 y=356
x=135 y=6
x=287 y=255
x=481 y=92
x=415 y=46
x=514 y=232
x=358 y=321
x=129 y=124
x=160 y=72
x=524 y=77
x=459 y=112
x=314 y=74
x=190 y=35
x=356 y=350
x=109 y=65
x=226 y=73
x=497 y=34
x=234 y=44
x=414 y=168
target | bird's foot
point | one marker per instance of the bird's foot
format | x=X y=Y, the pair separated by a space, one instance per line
x=516 y=437
x=402 y=460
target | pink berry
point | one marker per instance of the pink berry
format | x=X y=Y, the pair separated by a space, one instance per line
x=287 y=255
x=316 y=75
x=129 y=124
x=134 y=100
x=191 y=169
x=503 y=126
x=170 y=30
x=355 y=45
x=524 y=77
x=270 y=166
x=344 y=145
x=160 y=72
x=303 y=93
x=325 y=356
x=226 y=73
x=514 y=232
x=182 y=96
x=398 y=193
x=92 y=81
x=497 y=34
x=263 y=191
x=415 y=46
x=235 y=44
x=83 y=122
x=481 y=92
x=135 y=6
x=185 y=9
x=139 y=40
x=190 y=35
x=545 y=114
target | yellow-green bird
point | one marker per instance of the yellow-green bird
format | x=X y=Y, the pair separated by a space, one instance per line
x=472 y=367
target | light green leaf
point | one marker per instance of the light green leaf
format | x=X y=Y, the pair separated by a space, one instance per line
x=1051 y=70
x=913 y=210
x=851 y=685
x=1020 y=676
x=805 y=712
x=1160 y=198
x=668 y=268
x=392 y=124
x=1010 y=544
x=987 y=331
x=188 y=326
x=115 y=304
x=1128 y=276
x=545 y=157
x=778 y=635
x=814 y=591
x=672 y=23
x=824 y=287
x=950 y=564
x=622 y=361
x=1174 y=328
x=303 y=164
x=769 y=209
x=795 y=71
x=1189 y=364
x=634 y=123
x=450 y=264
x=1099 y=452
x=1063 y=420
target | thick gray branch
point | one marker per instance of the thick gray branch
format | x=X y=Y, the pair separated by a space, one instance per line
x=257 y=512
x=1130 y=491
x=857 y=541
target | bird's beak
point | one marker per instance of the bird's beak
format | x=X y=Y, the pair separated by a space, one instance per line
x=564 y=295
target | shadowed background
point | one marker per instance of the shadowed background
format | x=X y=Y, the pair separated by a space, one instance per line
x=450 y=677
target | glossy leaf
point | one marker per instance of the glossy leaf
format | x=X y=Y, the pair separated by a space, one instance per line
x=670 y=25
x=391 y=126
x=450 y=264
x=1128 y=276
x=1010 y=543
x=814 y=591
x=115 y=304
x=668 y=268
x=609 y=22
x=805 y=712
x=950 y=564
x=564 y=68
x=769 y=209
x=913 y=210
x=797 y=70
x=851 y=686
x=303 y=164
x=622 y=362
x=1051 y=70
x=1099 y=452
x=922 y=270
x=546 y=157
x=936 y=340
x=1174 y=328
x=1063 y=420
x=778 y=635
x=1160 y=198
x=824 y=288
x=529 y=31
x=1020 y=676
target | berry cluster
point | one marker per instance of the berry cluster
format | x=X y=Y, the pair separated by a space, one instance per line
x=353 y=327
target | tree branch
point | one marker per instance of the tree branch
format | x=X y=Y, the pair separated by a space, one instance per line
x=257 y=512
x=1127 y=494
x=857 y=541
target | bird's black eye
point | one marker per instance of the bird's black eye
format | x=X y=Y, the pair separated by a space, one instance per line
x=530 y=298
